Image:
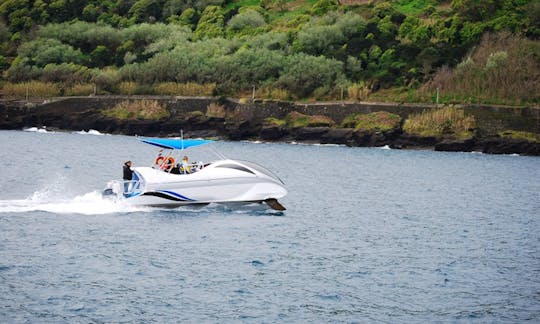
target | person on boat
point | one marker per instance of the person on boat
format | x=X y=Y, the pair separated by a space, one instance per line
x=185 y=165
x=128 y=176
x=176 y=169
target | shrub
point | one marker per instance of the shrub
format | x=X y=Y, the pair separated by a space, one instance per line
x=380 y=121
x=446 y=121
x=138 y=109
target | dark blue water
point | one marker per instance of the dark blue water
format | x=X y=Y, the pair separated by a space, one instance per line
x=369 y=235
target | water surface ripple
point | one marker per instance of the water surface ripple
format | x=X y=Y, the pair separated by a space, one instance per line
x=370 y=235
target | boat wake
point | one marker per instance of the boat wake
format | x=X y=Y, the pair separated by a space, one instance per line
x=91 y=203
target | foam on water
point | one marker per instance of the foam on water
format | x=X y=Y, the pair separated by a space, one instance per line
x=90 y=132
x=91 y=203
x=37 y=130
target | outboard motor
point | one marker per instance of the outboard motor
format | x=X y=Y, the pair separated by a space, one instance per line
x=112 y=190
x=108 y=192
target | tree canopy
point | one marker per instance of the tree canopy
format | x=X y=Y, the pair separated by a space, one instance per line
x=307 y=48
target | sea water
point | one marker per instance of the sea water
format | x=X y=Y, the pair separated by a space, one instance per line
x=369 y=235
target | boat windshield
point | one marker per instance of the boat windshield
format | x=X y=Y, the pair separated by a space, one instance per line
x=262 y=170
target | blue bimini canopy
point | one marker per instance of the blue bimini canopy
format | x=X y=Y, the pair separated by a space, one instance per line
x=172 y=143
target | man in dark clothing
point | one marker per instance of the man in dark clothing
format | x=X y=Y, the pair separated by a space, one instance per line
x=128 y=176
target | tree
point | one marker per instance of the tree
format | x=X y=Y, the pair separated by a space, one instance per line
x=321 y=7
x=187 y=18
x=101 y=56
x=246 y=20
x=302 y=74
x=211 y=23
x=145 y=11
x=476 y=10
x=91 y=13
x=44 y=51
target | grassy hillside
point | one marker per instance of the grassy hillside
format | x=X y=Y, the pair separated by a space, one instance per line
x=406 y=50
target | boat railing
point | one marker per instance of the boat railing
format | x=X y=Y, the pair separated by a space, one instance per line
x=131 y=187
x=127 y=188
x=180 y=168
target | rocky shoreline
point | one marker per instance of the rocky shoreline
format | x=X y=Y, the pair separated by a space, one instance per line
x=246 y=122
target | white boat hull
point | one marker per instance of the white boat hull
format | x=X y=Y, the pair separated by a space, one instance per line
x=226 y=181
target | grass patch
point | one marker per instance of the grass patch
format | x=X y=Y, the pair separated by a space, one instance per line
x=441 y=122
x=296 y=119
x=82 y=89
x=396 y=94
x=358 y=91
x=138 y=109
x=128 y=88
x=34 y=89
x=216 y=110
x=530 y=137
x=184 y=89
x=271 y=121
x=273 y=93
x=196 y=114
x=380 y=121
x=413 y=7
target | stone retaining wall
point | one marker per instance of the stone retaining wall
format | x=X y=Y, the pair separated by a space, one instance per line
x=490 y=119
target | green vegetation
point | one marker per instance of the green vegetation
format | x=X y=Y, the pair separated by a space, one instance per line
x=503 y=69
x=380 y=121
x=32 y=89
x=137 y=109
x=184 y=89
x=216 y=110
x=448 y=122
x=271 y=121
x=301 y=49
x=296 y=119
x=530 y=137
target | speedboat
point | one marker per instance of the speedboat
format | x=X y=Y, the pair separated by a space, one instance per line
x=226 y=181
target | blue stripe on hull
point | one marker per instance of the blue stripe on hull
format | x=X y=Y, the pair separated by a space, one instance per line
x=176 y=195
